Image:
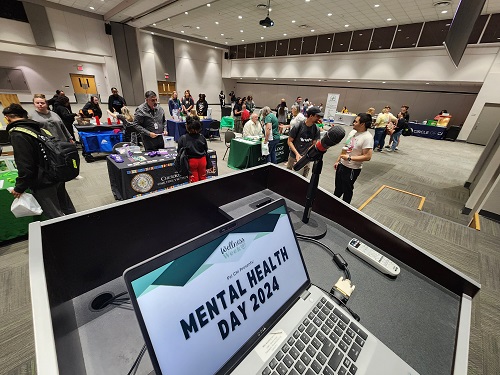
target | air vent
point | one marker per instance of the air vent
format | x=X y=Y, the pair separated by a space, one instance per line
x=262 y=6
x=304 y=26
x=187 y=27
x=441 y=3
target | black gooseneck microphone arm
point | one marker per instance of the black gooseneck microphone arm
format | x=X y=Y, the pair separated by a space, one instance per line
x=312 y=188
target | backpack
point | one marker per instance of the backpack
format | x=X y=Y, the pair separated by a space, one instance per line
x=181 y=162
x=61 y=159
x=407 y=131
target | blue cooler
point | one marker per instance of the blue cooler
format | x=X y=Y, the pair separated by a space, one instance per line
x=100 y=141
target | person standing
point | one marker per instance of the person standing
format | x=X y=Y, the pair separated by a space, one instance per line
x=348 y=165
x=187 y=103
x=196 y=149
x=149 y=120
x=250 y=104
x=51 y=195
x=49 y=120
x=115 y=101
x=174 y=105
x=201 y=105
x=384 y=120
x=222 y=99
x=52 y=101
x=63 y=109
x=238 y=107
x=271 y=133
x=398 y=130
x=302 y=136
x=282 y=110
x=252 y=127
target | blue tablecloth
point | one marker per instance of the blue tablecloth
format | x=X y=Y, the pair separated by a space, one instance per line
x=177 y=128
x=427 y=131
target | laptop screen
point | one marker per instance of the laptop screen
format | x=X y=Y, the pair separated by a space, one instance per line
x=201 y=308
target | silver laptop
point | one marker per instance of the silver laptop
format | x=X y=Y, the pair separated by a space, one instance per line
x=238 y=300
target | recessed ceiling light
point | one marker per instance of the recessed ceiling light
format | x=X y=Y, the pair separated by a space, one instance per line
x=154 y=24
x=92 y=8
x=186 y=13
x=444 y=11
x=241 y=78
x=242 y=40
x=221 y=34
x=284 y=34
x=241 y=31
x=389 y=19
x=226 y=42
x=216 y=47
x=208 y=5
x=295 y=80
x=182 y=31
x=307 y=1
x=312 y=30
x=198 y=27
x=152 y=33
x=346 y=25
x=376 y=5
x=426 y=83
x=216 y=22
x=187 y=41
x=383 y=81
x=168 y=19
x=293 y=21
x=261 y=37
x=348 y=81
x=270 y=9
x=240 y=17
x=274 y=79
x=329 y=14
x=206 y=37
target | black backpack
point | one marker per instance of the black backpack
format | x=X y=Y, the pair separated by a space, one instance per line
x=407 y=131
x=181 y=162
x=61 y=159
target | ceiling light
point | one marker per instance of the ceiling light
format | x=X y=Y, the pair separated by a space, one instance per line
x=186 y=13
x=198 y=27
x=293 y=21
x=241 y=78
x=444 y=11
x=348 y=81
x=206 y=37
x=92 y=8
x=168 y=19
x=242 y=40
x=376 y=5
x=261 y=37
x=307 y=1
x=154 y=24
x=383 y=81
x=152 y=33
x=274 y=79
x=226 y=42
x=329 y=14
x=389 y=19
x=312 y=30
x=241 y=31
x=208 y=5
x=216 y=22
x=187 y=41
x=240 y=17
x=346 y=25
x=284 y=34
x=216 y=47
x=221 y=34
x=182 y=31
x=426 y=83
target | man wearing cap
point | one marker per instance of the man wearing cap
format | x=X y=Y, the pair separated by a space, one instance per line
x=302 y=136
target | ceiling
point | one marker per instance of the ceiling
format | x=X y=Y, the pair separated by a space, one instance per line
x=232 y=22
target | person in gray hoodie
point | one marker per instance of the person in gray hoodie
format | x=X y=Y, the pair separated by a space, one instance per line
x=149 y=120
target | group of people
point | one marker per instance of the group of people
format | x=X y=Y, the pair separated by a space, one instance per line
x=186 y=106
x=388 y=124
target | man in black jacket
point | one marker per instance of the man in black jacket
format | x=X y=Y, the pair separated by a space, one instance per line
x=115 y=101
x=52 y=196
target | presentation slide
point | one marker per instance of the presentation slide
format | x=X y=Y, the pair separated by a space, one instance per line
x=202 y=307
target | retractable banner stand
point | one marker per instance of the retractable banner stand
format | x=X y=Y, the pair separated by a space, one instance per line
x=331 y=106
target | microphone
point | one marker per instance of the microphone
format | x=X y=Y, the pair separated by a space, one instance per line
x=331 y=138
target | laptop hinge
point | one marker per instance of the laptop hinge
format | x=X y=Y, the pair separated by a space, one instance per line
x=305 y=294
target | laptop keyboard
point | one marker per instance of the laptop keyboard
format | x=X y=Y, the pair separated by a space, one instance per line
x=327 y=342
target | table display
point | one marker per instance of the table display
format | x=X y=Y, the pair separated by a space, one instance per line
x=177 y=128
x=344 y=118
x=141 y=174
x=10 y=226
x=427 y=131
x=246 y=153
x=99 y=138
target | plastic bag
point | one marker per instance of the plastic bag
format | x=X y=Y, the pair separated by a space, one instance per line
x=25 y=205
x=264 y=149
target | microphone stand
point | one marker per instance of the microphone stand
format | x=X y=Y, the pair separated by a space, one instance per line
x=310 y=225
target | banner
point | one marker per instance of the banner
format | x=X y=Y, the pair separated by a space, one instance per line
x=331 y=105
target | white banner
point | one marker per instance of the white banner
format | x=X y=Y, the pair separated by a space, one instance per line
x=331 y=105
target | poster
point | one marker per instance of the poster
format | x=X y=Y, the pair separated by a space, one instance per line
x=331 y=106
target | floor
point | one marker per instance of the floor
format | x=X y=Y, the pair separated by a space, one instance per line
x=426 y=167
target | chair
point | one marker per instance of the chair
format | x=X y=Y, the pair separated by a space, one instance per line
x=227 y=139
x=214 y=130
x=227 y=122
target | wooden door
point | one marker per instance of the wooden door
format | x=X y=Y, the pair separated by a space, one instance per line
x=166 y=88
x=83 y=84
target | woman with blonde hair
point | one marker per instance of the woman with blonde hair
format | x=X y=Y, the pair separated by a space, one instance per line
x=127 y=118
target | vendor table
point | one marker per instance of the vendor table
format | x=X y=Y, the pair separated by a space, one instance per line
x=247 y=153
x=10 y=226
x=427 y=131
x=344 y=118
x=176 y=128
x=134 y=178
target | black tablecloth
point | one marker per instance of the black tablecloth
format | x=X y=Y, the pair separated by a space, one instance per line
x=135 y=178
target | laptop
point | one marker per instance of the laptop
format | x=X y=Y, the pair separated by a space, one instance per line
x=238 y=300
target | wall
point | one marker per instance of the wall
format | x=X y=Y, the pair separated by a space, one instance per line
x=489 y=93
x=78 y=40
x=423 y=105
